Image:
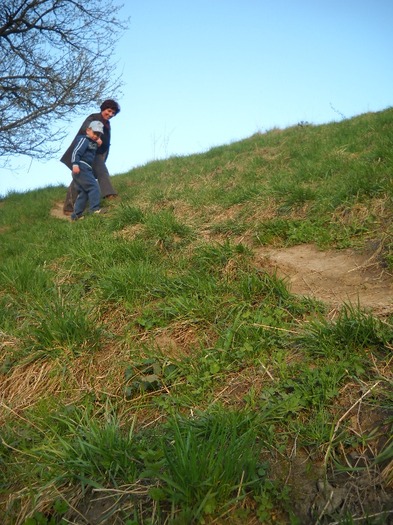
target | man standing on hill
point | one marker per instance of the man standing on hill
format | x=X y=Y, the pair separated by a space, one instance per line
x=109 y=108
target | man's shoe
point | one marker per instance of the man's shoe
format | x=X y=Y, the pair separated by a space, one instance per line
x=100 y=211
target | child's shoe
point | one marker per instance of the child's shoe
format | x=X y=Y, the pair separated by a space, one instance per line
x=75 y=217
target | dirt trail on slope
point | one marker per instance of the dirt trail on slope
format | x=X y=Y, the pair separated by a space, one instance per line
x=57 y=212
x=332 y=276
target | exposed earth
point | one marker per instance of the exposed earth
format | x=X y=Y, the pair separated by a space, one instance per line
x=57 y=211
x=333 y=276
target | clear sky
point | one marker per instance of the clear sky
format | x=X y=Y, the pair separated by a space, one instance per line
x=204 y=73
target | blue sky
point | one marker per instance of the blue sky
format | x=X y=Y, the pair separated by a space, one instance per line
x=209 y=72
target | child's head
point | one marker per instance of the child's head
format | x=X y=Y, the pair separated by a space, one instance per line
x=95 y=130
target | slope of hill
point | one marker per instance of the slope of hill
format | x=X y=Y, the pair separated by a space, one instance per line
x=215 y=349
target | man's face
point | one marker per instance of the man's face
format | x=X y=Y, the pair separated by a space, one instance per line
x=108 y=113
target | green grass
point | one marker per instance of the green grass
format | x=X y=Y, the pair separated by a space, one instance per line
x=150 y=362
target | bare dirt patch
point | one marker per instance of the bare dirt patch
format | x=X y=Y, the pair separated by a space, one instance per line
x=333 y=276
x=57 y=212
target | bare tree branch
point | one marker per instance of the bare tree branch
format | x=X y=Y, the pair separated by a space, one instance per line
x=56 y=59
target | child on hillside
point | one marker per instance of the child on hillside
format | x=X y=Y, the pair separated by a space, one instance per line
x=82 y=159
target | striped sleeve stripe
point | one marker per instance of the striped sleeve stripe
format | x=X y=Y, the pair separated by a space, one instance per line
x=77 y=147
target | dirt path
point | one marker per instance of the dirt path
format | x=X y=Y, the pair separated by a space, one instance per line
x=333 y=276
x=57 y=212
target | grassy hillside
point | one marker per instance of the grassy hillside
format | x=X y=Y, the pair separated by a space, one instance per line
x=153 y=371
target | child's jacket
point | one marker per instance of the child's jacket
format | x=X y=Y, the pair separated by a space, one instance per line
x=84 y=151
x=106 y=139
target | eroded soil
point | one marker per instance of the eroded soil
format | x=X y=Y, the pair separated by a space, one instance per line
x=333 y=276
